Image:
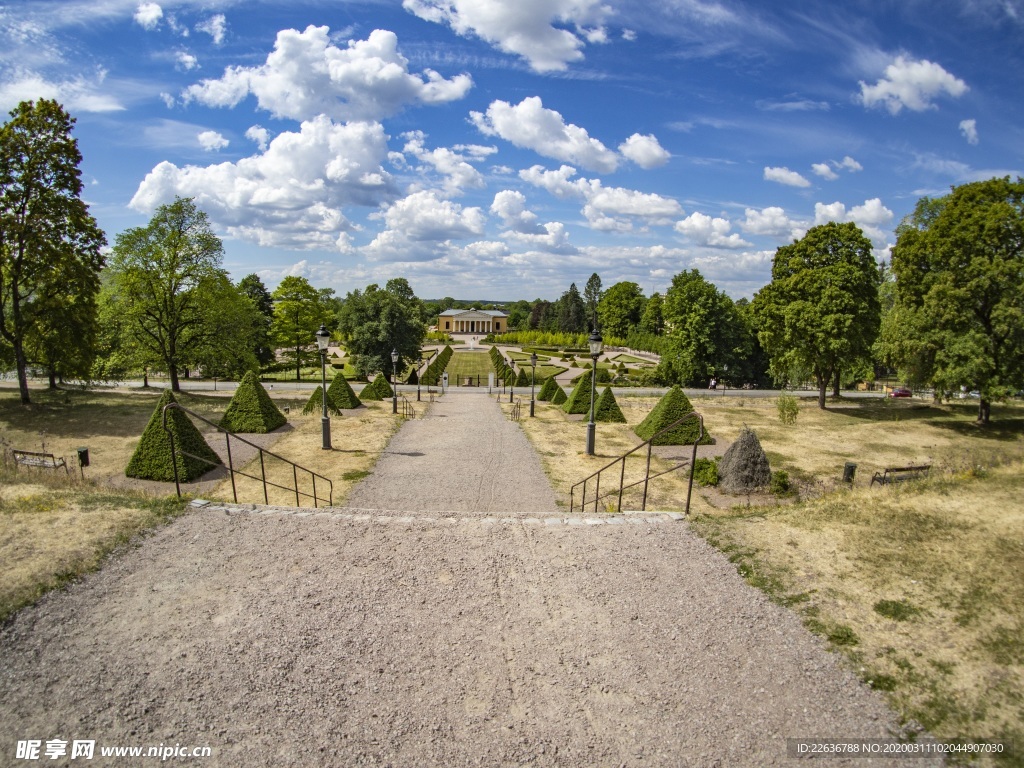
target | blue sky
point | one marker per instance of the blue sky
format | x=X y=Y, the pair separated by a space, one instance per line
x=501 y=150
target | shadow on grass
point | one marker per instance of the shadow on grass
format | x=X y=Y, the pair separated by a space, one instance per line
x=1006 y=422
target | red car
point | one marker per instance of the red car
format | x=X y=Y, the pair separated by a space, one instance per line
x=901 y=392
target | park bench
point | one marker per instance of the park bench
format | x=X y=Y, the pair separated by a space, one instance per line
x=36 y=459
x=900 y=474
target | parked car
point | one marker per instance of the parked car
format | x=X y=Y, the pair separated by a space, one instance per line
x=901 y=392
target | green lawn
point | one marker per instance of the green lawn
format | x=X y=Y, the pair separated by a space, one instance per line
x=473 y=364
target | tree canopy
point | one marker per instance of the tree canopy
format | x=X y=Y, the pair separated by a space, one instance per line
x=959 y=269
x=374 y=322
x=50 y=256
x=620 y=309
x=820 y=312
x=299 y=311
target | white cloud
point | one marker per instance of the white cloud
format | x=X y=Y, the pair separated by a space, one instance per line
x=290 y=196
x=771 y=221
x=911 y=84
x=306 y=75
x=78 y=94
x=969 y=128
x=525 y=27
x=260 y=135
x=704 y=230
x=530 y=126
x=168 y=100
x=211 y=141
x=825 y=171
x=871 y=217
x=510 y=206
x=458 y=175
x=645 y=151
x=148 y=15
x=215 y=27
x=420 y=226
x=851 y=165
x=785 y=176
x=186 y=61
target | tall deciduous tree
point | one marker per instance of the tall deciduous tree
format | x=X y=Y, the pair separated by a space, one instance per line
x=253 y=288
x=299 y=311
x=706 y=334
x=820 y=312
x=959 y=267
x=49 y=243
x=592 y=294
x=651 y=321
x=374 y=322
x=178 y=304
x=620 y=309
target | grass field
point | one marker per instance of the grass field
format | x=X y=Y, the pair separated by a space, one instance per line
x=465 y=364
x=920 y=586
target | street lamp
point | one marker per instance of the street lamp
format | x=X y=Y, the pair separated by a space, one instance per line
x=725 y=372
x=394 y=381
x=596 y=343
x=418 y=380
x=511 y=379
x=533 y=378
x=323 y=338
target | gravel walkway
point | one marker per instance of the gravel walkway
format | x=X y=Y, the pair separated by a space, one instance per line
x=343 y=639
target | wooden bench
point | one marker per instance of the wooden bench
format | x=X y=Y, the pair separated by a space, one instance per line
x=36 y=459
x=900 y=474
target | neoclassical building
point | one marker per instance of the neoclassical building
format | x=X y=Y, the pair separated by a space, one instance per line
x=472 y=321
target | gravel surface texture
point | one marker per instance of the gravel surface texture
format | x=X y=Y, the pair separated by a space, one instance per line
x=343 y=638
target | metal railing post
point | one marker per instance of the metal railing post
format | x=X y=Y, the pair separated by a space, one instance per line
x=647 y=475
x=263 y=475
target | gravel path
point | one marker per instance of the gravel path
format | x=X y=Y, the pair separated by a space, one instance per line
x=342 y=639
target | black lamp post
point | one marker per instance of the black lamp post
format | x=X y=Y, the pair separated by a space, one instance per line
x=596 y=344
x=725 y=372
x=323 y=338
x=511 y=379
x=533 y=378
x=418 y=380
x=394 y=381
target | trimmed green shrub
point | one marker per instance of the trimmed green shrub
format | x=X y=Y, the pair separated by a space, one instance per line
x=251 y=409
x=547 y=389
x=340 y=393
x=579 y=399
x=788 y=408
x=370 y=392
x=780 y=485
x=523 y=379
x=607 y=410
x=315 y=404
x=152 y=457
x=705 y=472
x=381 y=386
x=412 y=378
x=559 y=397
x=672 y=406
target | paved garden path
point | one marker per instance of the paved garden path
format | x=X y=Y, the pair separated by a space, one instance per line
x=437 y=638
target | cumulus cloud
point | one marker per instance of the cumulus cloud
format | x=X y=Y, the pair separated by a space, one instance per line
x=911 y=84
x=645 y=151
x=215 y=27
x=785 y=176
x=453 y=166
x=530 y=126
x=306 y=75
x=871 y=216
x=211 y=141
x=290 y=196
x=186 y=61
x=825 y=171
x=148 y=15
x=705 y=230
x=525 y=28
x=969 y=128
x=771 y=221
x=260 y=135
x=851 y=165
x=419 y=224
x=510 y=206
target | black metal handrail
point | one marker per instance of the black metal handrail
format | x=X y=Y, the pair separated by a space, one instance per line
x=647 y=474
x=516 y=409
x=408 y=411
x=232 y=471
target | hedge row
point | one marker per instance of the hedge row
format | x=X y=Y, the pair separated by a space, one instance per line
x=437 y=366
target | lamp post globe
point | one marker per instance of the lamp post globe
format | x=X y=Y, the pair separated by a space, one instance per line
x=596 y=343
x=533 y=378
x=394 y=381
x=323 y=338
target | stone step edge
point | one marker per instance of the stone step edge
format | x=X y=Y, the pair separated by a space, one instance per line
x=393 y=516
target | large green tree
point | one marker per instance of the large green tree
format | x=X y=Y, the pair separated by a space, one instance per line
x=620 y=309
x=178 y=304
x=374 y=322
x=254 y=289
x=572 y=312
x=299 y=311
x=959 y=268
x=706 y=335
x=651 y=321
x=820 y=313
x=50 y=256
x=592 y=294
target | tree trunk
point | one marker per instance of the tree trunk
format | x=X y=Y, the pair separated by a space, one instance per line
x=145 y=378
x=53 y=379
x=19 y=359
x=175 y=386
x=298 y=365
x=836 y=384
x=984 y=411
x=822 y=385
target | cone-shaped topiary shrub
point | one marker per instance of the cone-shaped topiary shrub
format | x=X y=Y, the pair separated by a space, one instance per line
x=340 y=393
x=547 y=389
x=523 y=379
x=152 y=457
x=251 y=409
x=744 y=467
x=315 y=404
x=674 y=405
x=607 y=409
x=380 y=384
x=413 y=377
x=579 y=399
x=370 y=393
x=559 y=396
